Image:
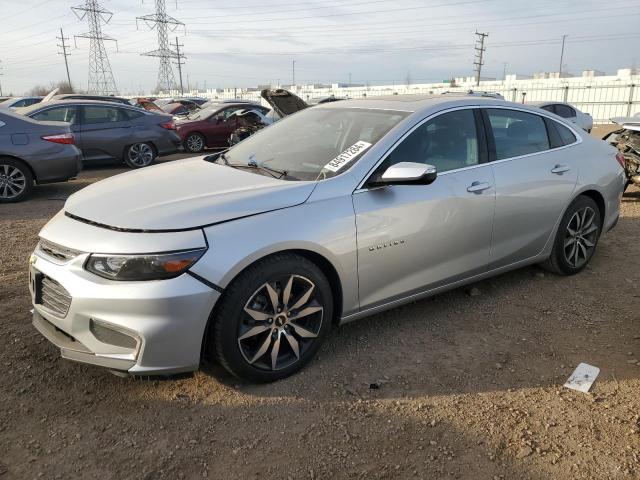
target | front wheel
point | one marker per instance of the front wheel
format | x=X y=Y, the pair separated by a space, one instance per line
x=577 y=237
x=194 y=143
x=273 y=318
x=139 y=155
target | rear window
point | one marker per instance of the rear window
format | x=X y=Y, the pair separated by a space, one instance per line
x=565 y=111
x=517 y=133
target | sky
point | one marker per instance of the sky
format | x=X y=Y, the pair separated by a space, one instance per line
x=242 y=44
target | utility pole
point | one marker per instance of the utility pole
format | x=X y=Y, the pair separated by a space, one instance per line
x=293 y=69
x=1 y=68
x=101 y=79
x=504 y=71
x=162 y=23
x=179 y=62
x=64 y=53
x=564 y=38
x=349 y=78
x=480 y=49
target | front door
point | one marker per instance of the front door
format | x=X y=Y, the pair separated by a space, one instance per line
x=222 y=125
x=105 y=131
x=412 y=238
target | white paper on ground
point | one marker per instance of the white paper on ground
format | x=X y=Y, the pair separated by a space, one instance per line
x=583 y=377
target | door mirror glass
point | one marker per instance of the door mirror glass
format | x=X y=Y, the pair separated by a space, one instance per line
x=407 y=173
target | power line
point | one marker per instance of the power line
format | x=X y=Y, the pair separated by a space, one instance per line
x=480 y=49
x=101 y=79
x=64 y=46
x=162 y=23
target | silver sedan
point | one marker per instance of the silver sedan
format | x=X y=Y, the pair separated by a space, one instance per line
x=337 y=212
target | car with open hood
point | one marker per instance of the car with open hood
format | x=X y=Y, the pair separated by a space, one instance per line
x=252 y=255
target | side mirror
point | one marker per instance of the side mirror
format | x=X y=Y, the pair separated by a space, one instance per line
x=406 y=173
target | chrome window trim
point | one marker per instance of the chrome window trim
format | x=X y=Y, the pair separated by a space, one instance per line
x=579 y=140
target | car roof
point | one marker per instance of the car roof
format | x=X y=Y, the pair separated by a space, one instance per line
x=549 y=102
x=51 y=103
x=418 y=103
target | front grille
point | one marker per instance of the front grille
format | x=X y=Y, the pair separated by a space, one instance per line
x=53 y=296
x=57 y=252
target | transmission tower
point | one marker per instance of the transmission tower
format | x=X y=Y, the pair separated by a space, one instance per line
x=101 y=79
x=480 y=49
x=162 y=23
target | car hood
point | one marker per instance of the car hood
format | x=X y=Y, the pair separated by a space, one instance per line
x=283 y=101
x=182 y=195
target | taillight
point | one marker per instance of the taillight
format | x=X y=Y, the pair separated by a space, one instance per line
x=64 y=138
x=169 y=125
x=621 y=160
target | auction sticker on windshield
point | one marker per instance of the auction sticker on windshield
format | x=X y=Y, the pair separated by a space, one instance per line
x=345 y=157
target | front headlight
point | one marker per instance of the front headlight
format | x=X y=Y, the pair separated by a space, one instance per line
x=142 y=267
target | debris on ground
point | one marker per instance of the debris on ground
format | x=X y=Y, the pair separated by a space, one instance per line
x=583 y=377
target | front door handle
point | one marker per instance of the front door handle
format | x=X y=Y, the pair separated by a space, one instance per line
x=477 y=187
x=560 y=169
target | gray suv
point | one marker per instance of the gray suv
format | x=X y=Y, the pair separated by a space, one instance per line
x=108 y=131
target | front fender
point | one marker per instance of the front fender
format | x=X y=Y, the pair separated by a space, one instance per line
x=325 y=227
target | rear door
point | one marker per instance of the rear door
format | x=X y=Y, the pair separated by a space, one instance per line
x=105 y=131
x=535 y=176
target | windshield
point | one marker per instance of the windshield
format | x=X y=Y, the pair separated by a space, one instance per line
x=316 y=143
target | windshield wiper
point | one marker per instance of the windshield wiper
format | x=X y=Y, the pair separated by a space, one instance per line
x=251 y=164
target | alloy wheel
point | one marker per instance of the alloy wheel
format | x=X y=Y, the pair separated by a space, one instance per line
x=580 y=237
x=195 y=143
x=12 y=182
x=282 y=320
x=140 y=154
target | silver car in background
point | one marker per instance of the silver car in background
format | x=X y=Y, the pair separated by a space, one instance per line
x=332 y=214
x=568 y=112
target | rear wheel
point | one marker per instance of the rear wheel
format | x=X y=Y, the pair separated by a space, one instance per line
x=16 y=180
x=273 y=318
x=139 y=155
x=577 y=237
x=194 y=143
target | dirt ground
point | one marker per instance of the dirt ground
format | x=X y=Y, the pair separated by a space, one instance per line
x=464 y=385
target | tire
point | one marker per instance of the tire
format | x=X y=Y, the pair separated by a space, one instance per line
x=139 y=155
x=194 y=143
x=244 y=343
x=576 y=239
x=16 y=180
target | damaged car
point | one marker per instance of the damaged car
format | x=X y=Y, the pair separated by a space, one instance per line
x=627 y=141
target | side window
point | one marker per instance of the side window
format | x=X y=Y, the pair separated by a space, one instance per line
x=566 y=135
x=548 y=108
x=130 y=114
x=447 y=142
x=565 y=111
x=99 y=114
x=517 y=133
x=60 y=114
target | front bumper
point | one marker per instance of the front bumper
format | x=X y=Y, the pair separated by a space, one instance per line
x=164 y=320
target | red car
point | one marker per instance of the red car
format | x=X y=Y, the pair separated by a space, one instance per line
x=211 y=127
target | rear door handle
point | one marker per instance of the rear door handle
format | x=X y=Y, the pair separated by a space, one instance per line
x=560 y=169
x=477 y=187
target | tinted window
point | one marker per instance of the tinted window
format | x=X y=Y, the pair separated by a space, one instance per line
x=565 y=111
x=99 y=114
x=59 y=114
x=566 y=135
x=548 y=108
x=517 y=133
x=130 y=114
x=447 y=142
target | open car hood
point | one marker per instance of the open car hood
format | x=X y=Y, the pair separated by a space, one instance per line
x=182 y=195
x=283 y=101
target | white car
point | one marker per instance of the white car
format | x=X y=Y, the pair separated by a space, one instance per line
x=568 y=112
